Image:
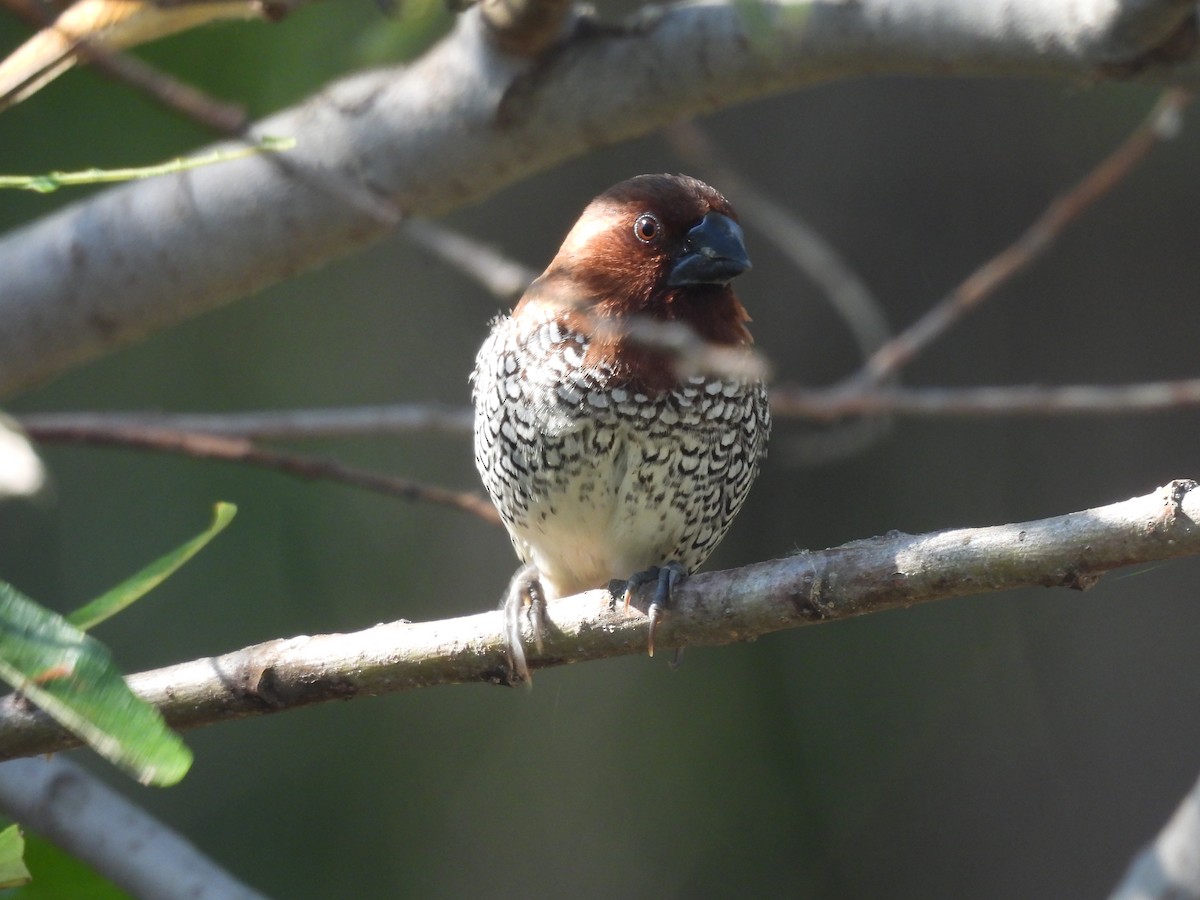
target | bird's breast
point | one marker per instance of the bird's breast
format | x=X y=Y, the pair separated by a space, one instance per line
x=596 y=479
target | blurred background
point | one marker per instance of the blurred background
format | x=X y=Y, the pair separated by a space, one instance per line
x=1023 y=744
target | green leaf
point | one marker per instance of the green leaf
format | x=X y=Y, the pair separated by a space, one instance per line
x=12 y=858
x=72 y=677
x=57 y=874
x=131 y=589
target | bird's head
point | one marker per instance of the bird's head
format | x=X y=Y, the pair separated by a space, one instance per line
x=659 y=247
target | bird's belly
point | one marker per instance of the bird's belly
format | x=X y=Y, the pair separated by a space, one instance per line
x=600 y=520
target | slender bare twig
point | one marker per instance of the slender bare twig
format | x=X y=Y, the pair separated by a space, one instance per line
x=802 y=244
x=175 y=94
x=787 y=401
x=1162 y=123
x=689 y=353
x=292 y=424
x=224 y=118
x=504 y=278
x=94 y=823
x=228 y=449
x=896 y=570
x=809 y=252
x=1035 y=400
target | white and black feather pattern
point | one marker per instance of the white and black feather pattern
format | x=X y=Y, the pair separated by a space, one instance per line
x=596 y=480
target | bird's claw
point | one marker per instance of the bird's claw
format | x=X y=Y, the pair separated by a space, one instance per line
x=524 y=594
x=665 y=577
x=653 y=615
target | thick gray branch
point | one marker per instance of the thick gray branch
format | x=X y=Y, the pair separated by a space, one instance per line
x=468 y=119
x=96 y=824
x=713 y=608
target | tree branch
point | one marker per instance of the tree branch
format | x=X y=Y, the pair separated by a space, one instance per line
x=787 y=402
x=503 y=278
x=1162 y=123
x=824 y=405
x=95 y=31
x=94 y=823
x=841 y=287
x=199 y=445
x=291 y=424
x=469 y=118
x=709 y=609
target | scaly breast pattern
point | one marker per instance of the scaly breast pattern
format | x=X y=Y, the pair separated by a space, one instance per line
x=596 y=481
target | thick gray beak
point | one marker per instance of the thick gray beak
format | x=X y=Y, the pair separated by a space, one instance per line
x=714 y=254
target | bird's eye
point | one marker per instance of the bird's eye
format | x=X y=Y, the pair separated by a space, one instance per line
x=646 y=228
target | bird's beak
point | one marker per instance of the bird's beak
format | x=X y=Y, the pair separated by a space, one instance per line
x=714 y=253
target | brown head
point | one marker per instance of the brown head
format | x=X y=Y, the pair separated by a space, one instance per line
x=664 y=247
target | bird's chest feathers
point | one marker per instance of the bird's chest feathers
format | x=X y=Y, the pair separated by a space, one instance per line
x=606 y=448
x=575 y=386
x=596 y=474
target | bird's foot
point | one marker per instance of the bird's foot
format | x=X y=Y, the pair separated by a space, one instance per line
x=666 y=577
x=524 y=598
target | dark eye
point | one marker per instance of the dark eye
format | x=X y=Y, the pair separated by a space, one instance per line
x=646 y=228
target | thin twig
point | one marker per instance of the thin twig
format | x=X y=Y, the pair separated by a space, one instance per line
x=802 y=244
x=175 y=94
x=824 y=405
x=224 y=118
x=688 y=352
x=787 y=401
x=293 y=424
x=503 y=278
x=809 y=252
x=1162 y=123
x=48 y=182
x=172 y=93
x=227 y=449
x=889 y=572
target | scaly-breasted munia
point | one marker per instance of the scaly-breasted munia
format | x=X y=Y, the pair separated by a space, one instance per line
x=604 y=459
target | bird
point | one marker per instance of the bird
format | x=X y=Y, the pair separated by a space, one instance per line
x=610 y=449
x=107 y=26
